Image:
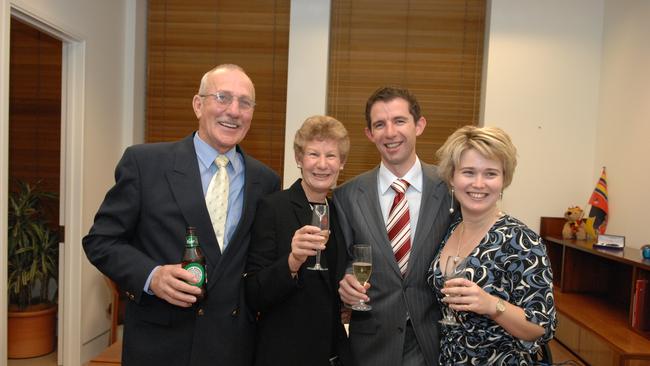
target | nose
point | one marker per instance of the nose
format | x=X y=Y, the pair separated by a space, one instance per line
x=390 y=129
x=478 y=181
x=322 y=162
x=233 y=108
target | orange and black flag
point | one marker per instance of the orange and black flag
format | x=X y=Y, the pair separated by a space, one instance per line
x=599 y=206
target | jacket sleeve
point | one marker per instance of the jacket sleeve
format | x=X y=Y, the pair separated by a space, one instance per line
x=268 y=277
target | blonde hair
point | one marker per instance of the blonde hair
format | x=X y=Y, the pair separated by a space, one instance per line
x=491 y=142
x=322 y=128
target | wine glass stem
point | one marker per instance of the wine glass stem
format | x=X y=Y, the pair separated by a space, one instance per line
x=317 y=258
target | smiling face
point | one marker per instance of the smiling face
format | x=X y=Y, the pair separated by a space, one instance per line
x=478 y=182
x=320 y=163
x=393 y=130
x=223 y=127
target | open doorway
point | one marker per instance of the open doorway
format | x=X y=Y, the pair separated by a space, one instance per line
x=35 y=159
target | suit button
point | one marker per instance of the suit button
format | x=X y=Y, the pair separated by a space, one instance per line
x=400 y=329
x=130 y=295
x=200 y=312
x=235 y=312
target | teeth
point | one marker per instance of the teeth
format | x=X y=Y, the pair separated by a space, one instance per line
x=228 y=124
x=477 y=195
x=392 y=145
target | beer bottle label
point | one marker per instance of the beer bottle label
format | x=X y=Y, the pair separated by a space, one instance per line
x=198 y=271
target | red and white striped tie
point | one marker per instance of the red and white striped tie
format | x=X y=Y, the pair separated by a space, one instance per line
x=399 y=225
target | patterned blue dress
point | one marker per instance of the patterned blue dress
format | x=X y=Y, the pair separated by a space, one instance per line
x=511 y=263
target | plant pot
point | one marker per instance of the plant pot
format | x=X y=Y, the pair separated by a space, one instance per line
x=30 y=332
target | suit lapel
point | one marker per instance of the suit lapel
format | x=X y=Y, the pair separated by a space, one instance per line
x=429 y=208
x=185 y=183
x=368 y=201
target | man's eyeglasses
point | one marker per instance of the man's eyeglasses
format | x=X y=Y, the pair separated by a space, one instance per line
x=225 y=99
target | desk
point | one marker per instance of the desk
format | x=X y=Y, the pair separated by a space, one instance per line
x=594 y=289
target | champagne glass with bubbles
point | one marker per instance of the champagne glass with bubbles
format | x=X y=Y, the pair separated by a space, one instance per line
x=454 y=268
x=320 y=218
x=361 y=268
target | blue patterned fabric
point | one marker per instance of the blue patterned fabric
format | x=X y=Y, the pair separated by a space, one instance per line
x=511 y=263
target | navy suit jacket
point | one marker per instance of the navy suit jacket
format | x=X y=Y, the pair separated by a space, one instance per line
x=141 y=224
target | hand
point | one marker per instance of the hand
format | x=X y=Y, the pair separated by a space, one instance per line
x=351 y=291
x=465 y=295
x=304 y=243
x=170 y=283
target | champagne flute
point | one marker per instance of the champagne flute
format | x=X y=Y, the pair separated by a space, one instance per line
x=361 y=268
x=320 y=218
x=454 y=268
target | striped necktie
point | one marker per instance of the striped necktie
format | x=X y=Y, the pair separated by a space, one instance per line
x=399 y=225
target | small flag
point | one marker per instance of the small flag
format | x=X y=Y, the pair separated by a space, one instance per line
x=599 y=207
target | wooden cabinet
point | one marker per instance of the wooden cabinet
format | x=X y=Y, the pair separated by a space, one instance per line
x=594 y=292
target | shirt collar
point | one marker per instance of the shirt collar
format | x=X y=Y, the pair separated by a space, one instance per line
x=413 y=176
x=207 y=154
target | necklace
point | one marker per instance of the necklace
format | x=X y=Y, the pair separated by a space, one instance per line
x=462 y=232
x=460 y=242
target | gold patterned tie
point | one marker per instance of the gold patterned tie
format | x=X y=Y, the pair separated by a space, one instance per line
x=216 y=199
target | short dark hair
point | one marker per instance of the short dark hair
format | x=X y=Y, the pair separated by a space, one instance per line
x=388 y=93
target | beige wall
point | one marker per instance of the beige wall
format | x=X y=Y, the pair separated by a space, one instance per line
x=623 y=127
x=542 y=85
x=567 y=79
x=102 y=37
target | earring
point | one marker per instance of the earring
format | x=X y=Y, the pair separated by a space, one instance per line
x=299 y=166
x=451 y=204
x=501 y=195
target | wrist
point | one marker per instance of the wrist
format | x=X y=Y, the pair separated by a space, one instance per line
x=498 y=307
x=294 y=263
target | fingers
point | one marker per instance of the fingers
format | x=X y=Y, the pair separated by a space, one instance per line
x=306 y=241
x=465 y=295
x=351 y=291
x=170 y=283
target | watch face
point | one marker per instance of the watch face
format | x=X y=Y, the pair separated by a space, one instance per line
x=501 y=307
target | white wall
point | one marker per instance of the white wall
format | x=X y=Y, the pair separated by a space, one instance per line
x=106 y=72
x=307 y=76
x=624 y=118
x=542 y=82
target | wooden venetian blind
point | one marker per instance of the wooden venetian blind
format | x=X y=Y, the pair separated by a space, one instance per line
x=187 y=38
x=35 y=111
x=432 y=47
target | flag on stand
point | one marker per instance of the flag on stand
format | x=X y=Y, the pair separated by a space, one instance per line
x=599 y=207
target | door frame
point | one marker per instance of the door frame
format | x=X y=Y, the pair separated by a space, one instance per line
x=71 y=200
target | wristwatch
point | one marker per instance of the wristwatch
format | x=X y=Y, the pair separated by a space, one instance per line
x=501 y=307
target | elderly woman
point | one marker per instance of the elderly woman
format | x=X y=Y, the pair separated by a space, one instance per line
x=503 y=303
x=298 y=310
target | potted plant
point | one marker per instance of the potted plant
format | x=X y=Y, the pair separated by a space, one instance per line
x=33 y=255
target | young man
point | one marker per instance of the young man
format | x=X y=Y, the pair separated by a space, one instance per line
x=138 y=236
x=400 y=208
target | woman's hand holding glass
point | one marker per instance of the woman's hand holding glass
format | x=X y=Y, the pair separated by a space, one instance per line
x=305 y=243
x=462 y=294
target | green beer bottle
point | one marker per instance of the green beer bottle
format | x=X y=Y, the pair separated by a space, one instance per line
x=194 y=261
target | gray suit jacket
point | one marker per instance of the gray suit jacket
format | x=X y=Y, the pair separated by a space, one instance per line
x=377 y=336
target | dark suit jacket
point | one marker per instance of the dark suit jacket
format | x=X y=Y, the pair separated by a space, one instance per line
x=299 y=319
x=377 y=336
x=141 y=224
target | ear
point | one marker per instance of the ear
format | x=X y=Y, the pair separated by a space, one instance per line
x=295 y=156
x=420 y=124
x=369 y=134
x=197 y=103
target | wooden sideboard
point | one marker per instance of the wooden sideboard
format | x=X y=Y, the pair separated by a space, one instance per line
x=594 y=292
